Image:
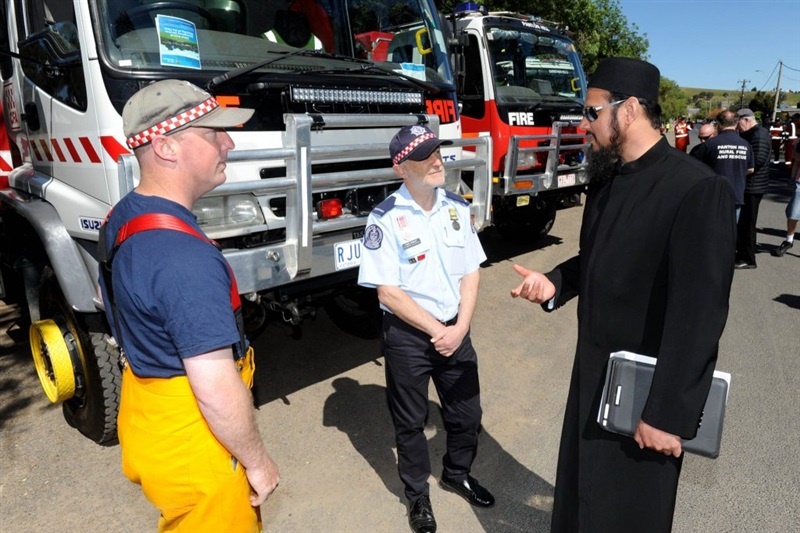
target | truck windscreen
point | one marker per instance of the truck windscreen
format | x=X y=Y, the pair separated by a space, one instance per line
x=221 y=35
x=530 y=66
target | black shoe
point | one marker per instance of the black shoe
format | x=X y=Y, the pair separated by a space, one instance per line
x=744 y=265
x=420 y=516
x=470 y=490
x=780 y=250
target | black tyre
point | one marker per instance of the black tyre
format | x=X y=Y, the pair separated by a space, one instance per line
x=526 y=225
x=93 y=408
x=356 y=311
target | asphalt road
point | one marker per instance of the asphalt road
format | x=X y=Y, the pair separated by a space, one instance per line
x=322 y=412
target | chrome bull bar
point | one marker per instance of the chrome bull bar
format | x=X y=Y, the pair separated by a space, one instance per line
x=307 y=249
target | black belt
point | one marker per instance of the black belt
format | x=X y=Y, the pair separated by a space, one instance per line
x=450 y=322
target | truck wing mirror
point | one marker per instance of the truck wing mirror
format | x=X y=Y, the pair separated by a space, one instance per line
x=56 y=46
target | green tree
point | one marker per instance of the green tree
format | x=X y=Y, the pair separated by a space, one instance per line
x=672 y=99
x=762 y=102
x=598 y=27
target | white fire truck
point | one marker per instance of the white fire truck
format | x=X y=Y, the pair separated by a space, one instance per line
x=331 y=81
x=520 y=80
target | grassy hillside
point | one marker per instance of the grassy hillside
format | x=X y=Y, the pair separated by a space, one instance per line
x=691 y=91
x=734 y=95
x=731 y=95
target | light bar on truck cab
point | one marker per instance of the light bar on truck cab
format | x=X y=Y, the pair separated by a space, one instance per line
x=355 y=96
x=471 y=7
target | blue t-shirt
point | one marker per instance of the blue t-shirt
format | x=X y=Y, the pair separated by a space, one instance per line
x=172 y=292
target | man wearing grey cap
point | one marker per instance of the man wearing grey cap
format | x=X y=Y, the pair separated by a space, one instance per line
x=755 y=186
x=186 y=422
x=423 y=256
x=652 y=277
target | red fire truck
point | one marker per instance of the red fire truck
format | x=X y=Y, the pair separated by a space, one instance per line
x=520 y=81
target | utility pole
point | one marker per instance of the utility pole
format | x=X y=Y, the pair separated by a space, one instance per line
x=777 y=91
x=741 y=100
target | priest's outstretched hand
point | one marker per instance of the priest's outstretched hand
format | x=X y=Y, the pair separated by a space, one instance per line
x=535 y=287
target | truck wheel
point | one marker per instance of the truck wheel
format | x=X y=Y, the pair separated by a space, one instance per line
x=356 y=311
x=93 y=405
x=528 y=225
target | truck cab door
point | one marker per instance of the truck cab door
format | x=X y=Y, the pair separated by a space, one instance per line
x=51 y=75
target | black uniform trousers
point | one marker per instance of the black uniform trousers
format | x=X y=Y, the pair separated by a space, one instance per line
x=411 y=361
x=746 y=228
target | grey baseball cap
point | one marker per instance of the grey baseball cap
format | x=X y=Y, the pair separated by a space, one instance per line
x=167 y=106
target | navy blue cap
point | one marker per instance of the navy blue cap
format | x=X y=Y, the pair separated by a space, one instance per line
x=416 y=143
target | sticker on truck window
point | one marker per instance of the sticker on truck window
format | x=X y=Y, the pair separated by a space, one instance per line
x=177 y=42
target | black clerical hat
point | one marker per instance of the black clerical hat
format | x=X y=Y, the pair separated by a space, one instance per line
x=627 y=76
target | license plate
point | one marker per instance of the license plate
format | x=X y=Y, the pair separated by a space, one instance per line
x=347 y=254
x=565 y=180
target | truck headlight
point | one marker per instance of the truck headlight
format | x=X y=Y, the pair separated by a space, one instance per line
x=526 y=160
x=223 y=213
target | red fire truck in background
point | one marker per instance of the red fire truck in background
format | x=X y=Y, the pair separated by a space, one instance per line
x=520 y=81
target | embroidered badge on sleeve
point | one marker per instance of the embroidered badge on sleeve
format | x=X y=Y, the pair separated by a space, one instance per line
x=373 y=236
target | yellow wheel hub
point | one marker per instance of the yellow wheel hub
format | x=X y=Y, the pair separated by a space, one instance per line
x=52 y=360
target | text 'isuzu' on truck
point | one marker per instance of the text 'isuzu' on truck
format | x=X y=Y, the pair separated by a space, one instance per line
x=331 y=82
x=520 y=80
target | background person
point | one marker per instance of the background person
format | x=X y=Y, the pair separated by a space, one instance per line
x=776 y=138
x=790 y=138
x=754 y=189
x=730 y=156
x=422 y=254
x=187 y=428
x=653 y=276
x=705 y=132
x=682 y=134
x=793 y=209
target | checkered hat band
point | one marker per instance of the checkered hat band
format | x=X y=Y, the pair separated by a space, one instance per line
x=411 y=146
x=173 y=123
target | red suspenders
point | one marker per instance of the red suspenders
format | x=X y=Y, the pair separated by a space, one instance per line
x=151 y=221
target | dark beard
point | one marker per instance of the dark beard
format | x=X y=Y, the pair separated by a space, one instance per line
x=603 y=162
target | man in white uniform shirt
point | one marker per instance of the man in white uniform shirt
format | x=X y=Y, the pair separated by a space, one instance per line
x=423 y=256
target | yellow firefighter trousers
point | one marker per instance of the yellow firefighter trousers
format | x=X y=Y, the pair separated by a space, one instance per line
x=183 y=470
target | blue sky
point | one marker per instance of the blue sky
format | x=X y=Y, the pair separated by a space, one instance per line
x=714 y=44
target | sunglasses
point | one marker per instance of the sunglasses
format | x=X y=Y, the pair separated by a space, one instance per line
x=591 y=113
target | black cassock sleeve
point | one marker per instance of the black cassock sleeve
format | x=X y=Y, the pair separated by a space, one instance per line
x=701 y=255
x=566 y=278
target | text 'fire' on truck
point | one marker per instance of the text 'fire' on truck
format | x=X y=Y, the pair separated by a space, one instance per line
x=331 y=82
x=520 y=80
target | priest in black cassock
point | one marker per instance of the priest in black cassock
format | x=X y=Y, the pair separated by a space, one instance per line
x=653 y=277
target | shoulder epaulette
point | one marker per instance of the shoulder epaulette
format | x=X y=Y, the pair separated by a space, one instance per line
x=384 y=207
x=456 y=197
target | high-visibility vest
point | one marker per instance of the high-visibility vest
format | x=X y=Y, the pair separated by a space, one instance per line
x=791 y=129
x=313 y=42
